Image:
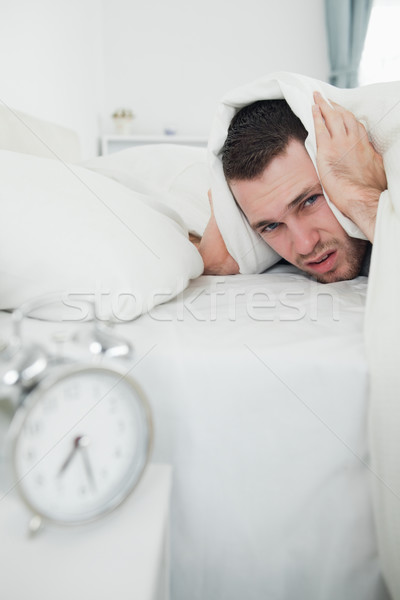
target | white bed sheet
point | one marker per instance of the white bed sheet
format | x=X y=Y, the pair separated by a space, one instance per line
x=258 y=385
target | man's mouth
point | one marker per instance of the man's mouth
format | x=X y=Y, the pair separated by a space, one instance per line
x=323 y=263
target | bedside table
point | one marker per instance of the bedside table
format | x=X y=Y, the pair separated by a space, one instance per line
x=114 y=143
x=124 y=556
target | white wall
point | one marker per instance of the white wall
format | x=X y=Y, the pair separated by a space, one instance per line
x=75 y=61
x=172 y=60
x=51 y=62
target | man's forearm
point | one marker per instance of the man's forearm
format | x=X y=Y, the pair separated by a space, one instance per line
x=351 y=171
x=362 y=212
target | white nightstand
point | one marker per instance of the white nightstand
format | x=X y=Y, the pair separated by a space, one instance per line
x=123 y=556
x=114 y=143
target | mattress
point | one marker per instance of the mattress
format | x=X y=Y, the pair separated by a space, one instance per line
x=258 y=387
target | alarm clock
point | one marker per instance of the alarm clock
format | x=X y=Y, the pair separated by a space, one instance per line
x=81 y=433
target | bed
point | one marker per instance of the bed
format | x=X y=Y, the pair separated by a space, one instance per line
x=258 y=388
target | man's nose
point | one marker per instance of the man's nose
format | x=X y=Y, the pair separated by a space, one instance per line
x=304 y=238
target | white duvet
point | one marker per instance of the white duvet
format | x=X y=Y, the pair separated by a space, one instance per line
x=378 y=107
x=257 y=386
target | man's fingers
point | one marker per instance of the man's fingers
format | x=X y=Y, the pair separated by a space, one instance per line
x=338 y=107
x=352 y=125
x=321 y=132
x=338 y=119
x=333 y=118
x=320 y=100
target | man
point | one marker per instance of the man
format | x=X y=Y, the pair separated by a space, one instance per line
x=275 y=184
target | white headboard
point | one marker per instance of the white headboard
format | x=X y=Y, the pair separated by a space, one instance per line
x=20 y=132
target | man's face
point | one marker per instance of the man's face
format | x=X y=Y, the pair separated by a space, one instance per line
x=285 y=205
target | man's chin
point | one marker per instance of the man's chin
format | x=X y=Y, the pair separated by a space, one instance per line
x=342 y=264
x=333 y=276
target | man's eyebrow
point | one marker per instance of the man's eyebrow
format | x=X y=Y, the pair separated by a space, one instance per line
x=306 y=193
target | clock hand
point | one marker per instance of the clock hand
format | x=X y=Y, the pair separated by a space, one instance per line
x=75 y=447
x=83 y=444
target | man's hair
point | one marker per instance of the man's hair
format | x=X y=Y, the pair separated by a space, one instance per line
x=258 y=133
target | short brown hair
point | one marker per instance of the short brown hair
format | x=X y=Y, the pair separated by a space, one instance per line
x=257 y=133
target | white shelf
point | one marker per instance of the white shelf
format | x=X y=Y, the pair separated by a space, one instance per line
x=114 y=143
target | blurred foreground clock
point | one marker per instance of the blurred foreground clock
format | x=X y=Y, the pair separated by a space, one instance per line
x=81 y=436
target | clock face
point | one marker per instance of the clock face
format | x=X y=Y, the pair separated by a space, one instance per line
x=82 y=444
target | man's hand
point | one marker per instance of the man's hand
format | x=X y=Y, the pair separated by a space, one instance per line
x=216 y=258
x=350 y=169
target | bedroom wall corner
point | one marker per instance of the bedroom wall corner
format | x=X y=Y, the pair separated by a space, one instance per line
x=52 y=63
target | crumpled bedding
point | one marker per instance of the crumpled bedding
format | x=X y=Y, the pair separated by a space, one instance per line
x=378 y=107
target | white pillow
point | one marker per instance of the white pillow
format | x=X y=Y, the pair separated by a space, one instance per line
x=182 y=171
x=69 y=230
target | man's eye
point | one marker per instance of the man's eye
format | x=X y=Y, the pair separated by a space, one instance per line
x=270 y=227
x=311 y=200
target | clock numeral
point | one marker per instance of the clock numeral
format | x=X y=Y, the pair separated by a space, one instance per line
x=49 y=404
x=33 y=428
x=39 y=480
x=96 y=393
x=30 y=455
x=113 y=405
x=71 y=392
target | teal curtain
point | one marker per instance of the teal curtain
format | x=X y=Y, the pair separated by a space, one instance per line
x=346 y=23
